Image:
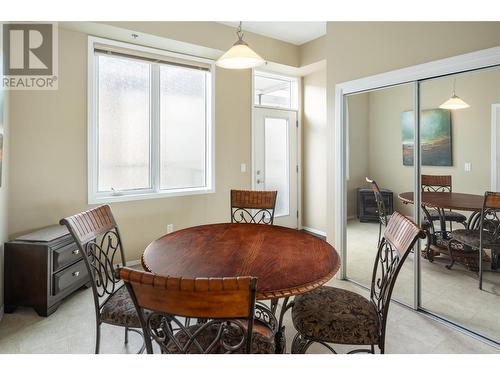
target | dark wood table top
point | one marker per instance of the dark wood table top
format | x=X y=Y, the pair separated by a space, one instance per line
x=285 y=261
x=453 y=201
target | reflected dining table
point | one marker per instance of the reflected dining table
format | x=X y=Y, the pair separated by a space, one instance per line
x=442 y=201
x=286 y=262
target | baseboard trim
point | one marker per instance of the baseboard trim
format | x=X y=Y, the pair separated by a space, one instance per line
x=133 y=262
x=315 y=231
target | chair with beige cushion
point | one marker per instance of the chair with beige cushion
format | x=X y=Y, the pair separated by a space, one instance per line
x=201 y=315
x=98 y=238
x=329 y=315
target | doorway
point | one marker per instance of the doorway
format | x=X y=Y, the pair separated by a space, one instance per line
x=275 y=165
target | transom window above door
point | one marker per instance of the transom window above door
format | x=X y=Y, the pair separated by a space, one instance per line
x=276 y=91
x=150 y=123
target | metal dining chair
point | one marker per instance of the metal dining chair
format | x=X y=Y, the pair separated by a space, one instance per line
x=253 y=206
x=383 y=216
x=97 y=235
x=329 y=315
x=222 y=310
x=487 y=235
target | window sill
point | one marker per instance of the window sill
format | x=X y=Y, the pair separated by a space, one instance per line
x=98 y=199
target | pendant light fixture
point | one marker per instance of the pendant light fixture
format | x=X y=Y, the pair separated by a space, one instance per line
x=454 y=102
x=240 y=55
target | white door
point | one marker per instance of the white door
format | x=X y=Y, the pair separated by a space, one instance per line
x=275 y=160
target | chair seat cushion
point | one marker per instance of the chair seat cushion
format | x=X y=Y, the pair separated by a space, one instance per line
x=119 y=309
x=262 y=340
x=337 y=316
x=471 y=238
x=448 y=215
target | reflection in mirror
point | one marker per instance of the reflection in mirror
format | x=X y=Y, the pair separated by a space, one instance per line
x=378 y=148
x=456 y=143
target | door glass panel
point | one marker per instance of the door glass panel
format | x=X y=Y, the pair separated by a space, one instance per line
x=381 y=148
x=456 y=143
x=276 y=161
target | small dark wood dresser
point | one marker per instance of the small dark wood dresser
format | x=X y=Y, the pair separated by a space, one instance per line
x=367 y=206
x=42 y=268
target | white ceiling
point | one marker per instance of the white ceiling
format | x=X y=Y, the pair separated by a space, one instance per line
x=292 y=32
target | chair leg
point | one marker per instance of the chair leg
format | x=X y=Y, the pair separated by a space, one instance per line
x=480 y=269
x=97 y=337
x=452 y=260
x=126 y=335
x=300 y=344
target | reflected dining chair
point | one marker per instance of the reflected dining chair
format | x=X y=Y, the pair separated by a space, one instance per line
x=98 y=238
x=486 y=236
x=383 y=216
x=223 y=309
x=253 y=206
x=329 y=315
x=439 y=184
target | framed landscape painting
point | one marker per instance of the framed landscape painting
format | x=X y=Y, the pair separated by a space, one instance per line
x=435 y=135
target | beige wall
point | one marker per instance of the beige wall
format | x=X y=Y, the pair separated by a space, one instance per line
x=358 y=115
x=4 y=119
x=313 y=51
x=50 y=160
x=360 y=49
x=314 y=151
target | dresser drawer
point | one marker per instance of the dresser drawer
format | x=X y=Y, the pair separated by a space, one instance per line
x=69 y=277
x=64 y=256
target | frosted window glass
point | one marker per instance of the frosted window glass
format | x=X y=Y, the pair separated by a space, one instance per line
x=276 y=161
x=123 y=124
x=182 y=127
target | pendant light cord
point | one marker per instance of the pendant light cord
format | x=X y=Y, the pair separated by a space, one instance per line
x=239 y=32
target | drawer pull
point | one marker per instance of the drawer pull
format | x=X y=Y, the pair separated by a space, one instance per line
x=76 y=273
x=76 y=251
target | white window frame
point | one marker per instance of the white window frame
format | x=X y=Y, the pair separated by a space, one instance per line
x=294 y=89
x=96 y=197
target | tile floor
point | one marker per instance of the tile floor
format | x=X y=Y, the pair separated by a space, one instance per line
x=71 y=330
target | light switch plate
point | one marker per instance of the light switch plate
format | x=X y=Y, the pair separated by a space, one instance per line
x=243 y=167
x=170 y=228
x=468 y=167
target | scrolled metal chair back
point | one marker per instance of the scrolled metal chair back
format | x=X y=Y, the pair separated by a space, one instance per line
x=255 y=207
x=98 y=238
x=379 y=199
x=224 y=308
x=490 y=218
x=400 y=236
x=436 y=184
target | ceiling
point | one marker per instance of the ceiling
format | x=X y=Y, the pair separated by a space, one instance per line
x=292 y=32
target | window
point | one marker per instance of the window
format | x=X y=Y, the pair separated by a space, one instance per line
x=150 y=123
x=271 y=90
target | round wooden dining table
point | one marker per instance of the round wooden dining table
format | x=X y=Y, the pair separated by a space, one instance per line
x=452 y=201
x=285 y=261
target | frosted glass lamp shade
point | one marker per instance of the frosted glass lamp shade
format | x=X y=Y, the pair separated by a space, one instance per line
x=240 y=56
x=454 y=103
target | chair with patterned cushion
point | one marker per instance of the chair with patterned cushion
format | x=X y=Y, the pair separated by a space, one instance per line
x=98 y=238
x=252 y=206
x=440 y=184
x=329 y=315
x=484 y=236
x=200 y=315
